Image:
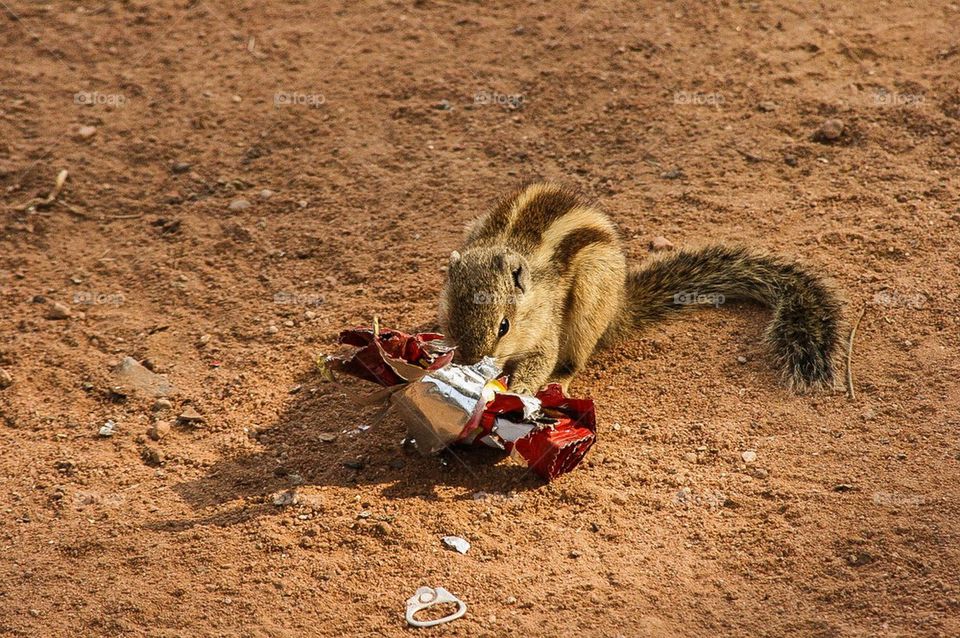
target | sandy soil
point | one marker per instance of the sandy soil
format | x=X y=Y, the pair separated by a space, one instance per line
x=381 y=128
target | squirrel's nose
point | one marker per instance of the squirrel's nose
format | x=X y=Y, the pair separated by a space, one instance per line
x=465 y=357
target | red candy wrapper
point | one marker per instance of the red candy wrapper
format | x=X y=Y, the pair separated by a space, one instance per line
x=445 y=403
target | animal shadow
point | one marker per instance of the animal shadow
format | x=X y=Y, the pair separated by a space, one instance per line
x=325 y=436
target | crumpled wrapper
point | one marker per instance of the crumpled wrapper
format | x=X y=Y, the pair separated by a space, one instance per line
x=443 y=403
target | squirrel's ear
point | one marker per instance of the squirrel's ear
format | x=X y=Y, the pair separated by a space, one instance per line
x=517 y=267
x=521 y=278
x=454 y=257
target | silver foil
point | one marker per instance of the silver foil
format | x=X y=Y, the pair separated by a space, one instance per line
x=439 y=405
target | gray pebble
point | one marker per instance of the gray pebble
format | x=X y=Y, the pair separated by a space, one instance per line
x=830 y=130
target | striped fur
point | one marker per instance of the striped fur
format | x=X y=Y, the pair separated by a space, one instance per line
x=550 y=265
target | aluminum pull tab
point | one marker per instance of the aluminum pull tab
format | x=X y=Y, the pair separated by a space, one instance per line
x=427 y=597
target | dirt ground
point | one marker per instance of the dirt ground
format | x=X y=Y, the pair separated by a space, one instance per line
x=379 y=129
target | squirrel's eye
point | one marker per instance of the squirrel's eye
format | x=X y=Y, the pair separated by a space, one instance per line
x=504 y=327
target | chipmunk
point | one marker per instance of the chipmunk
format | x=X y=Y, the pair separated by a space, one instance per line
x=541 y=281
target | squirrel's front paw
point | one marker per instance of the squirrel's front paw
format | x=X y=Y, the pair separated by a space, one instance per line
x=522 y=388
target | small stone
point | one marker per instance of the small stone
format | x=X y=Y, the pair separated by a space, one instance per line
x=159 y=429
x=869 y=414
x=759 y=472
x=236 y=99
x=842 y=487
x=58 y=311
x=266 y=193
x=383 y=528
x=306 y=542
x=108 y=429
x=190 y=415
x=575 y=553
x=286 y=497
x=66 y=466
x=353 y=465
x=203 y=340
x=162 y=404
x=442 y=105
x=767 y=107
x=132 y=375
x=272 y=329
x=748 y=456
x=741 y=359
x=830 y=130
x=152 y=456
x=289 y=323
x=457 y=544
x=86 y=132
x=327 y=437
x=239 y=204
x=397 y=464
x=180 y=167
x=6 y=380
x=673 y=173
x=309 y=314
x=660 y=243
x=790 y=160
x=690 y=457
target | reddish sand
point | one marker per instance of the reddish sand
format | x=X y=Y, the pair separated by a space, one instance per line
x=381 y=129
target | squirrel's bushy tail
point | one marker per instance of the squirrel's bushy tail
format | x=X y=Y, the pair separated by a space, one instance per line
x=804 y=331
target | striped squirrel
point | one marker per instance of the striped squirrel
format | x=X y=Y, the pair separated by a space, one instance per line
x=541 y=281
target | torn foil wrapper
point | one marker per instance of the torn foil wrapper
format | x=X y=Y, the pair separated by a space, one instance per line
x=444 y=403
